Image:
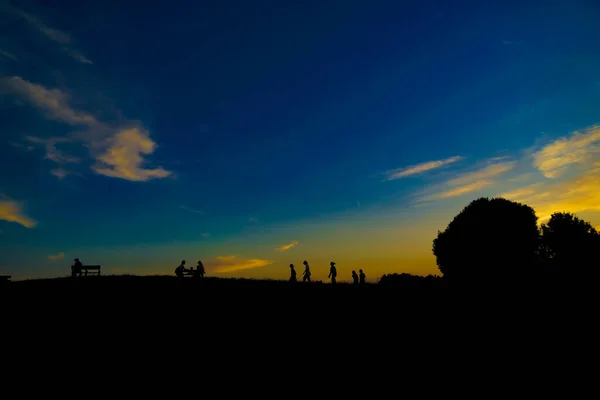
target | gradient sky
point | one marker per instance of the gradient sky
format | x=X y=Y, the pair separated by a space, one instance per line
x=252 y=135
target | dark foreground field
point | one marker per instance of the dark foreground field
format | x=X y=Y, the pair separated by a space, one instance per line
x=228 y=301
x=226 y=323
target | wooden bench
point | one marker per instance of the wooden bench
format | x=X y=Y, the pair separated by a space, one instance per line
x=92 y=269
x=190 y=273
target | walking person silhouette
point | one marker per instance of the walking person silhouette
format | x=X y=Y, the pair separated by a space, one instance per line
x=200 y=271
x=306 y=273
x=292 y=273
x=354 y=277
x=362 y=276
x=332 y=272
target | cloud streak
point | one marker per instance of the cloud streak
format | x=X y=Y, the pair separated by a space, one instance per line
x=52 y=153
x=225 y=264
x=485 y=173
x=56 y=257
x=78 y=56
x=12 y=211
x=190 y=209
x=119 y=151
x=473 y=181
x=580 y=148
x=60 y=173
x=576 y=194
x=6 y=54
x=420 y=168
x=570 y=173
x=54 y=103
x=459 y=191
x=288 y=246
x=62 y=38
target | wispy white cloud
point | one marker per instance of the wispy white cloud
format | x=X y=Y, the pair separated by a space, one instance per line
x=570 y=176
x=580 y=147
x=525 y=177
x=78 y=56
x=420 y=168
x=56 y=257
x=190 y=209
x=472 y=181
x=54 y=103
x=225 y=264
x=59 y=37
x=458 y=191
x=6 y=54
x=524 y=192
x=62 y=38
x=52 y=153
x=124 y=157
x=226 y=259
x=21 y=146
x=119 y=152
x=288 y=246
x=205 y=234
x=253 y=220
x=12 y=211
x=574 y=194
x=487 y=172
x=60 y=173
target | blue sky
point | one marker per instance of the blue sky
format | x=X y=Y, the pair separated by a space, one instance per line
x=136 y=136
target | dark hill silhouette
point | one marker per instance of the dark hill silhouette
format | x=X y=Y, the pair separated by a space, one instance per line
x=404 y=317
x=218 y=294
x=401 y=318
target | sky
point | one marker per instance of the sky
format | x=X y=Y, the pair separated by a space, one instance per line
x=255 y=135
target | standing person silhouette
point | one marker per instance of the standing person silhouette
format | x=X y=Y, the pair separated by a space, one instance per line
x=292 y=273
x=354 y=277
x=362 y=276
x=200 y=271
x=306 y=273
x=332 y=272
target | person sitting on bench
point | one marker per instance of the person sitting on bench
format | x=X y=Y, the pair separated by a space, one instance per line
x=76 y=267
x=180 y=270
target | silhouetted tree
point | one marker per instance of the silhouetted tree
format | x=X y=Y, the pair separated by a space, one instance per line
x=490 y=239
x=570 y=245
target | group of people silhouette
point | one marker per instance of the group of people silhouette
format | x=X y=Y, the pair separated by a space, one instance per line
x=359 y=278
x=181 y=270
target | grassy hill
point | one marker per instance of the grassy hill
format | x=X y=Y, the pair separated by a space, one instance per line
x=223 y=318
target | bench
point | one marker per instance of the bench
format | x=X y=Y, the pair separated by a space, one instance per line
x=190 y=273
x=5 y=278
x=92 y=269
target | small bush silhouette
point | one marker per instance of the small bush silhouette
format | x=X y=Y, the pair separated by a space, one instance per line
x=409 y=280
x=490 y=239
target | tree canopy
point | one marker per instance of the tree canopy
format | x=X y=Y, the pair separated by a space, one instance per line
x=489 y=239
